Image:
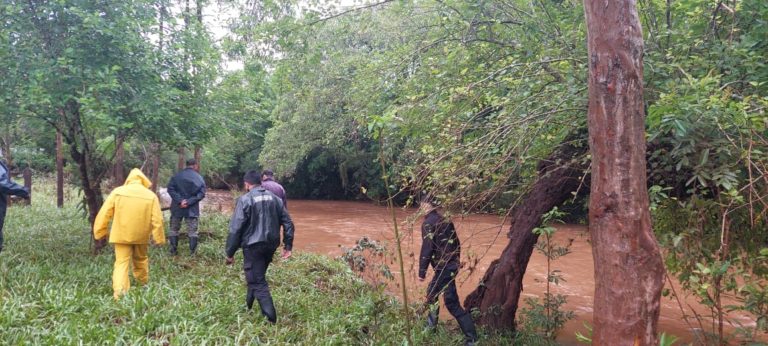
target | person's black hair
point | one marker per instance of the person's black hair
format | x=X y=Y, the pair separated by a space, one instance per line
x=252 y=177
x=268 y=172
x=191 y=162
x=428 y=198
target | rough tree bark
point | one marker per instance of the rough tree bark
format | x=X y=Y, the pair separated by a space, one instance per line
x=5 y=149
x=59 y=170
x=118 y=173
x=154 y=165
x=498 y=295
x=182 y=159
x=91 y=170
x=629 y=271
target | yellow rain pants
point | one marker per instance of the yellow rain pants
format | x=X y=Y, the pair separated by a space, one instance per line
x=125 y=256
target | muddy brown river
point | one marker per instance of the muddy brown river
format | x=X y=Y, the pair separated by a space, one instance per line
x=326 y=227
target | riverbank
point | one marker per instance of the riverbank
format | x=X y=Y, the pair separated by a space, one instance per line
x=328 y=227
x=54 y=292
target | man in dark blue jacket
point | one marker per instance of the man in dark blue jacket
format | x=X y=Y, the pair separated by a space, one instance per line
x=255 y=227
x=7 y=187
x=440 y=248
x=186 y=189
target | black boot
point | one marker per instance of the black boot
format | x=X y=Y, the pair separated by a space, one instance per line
x=174 y=243
x=268 y=309
x=432 y=318
x=468 y=328
x=249 y=298
x=192 y=246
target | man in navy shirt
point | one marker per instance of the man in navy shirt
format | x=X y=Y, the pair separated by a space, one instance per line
x=440 y=248
x=187 y=189
x=7 y=187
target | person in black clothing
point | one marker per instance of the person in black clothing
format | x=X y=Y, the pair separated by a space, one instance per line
x=440 y=248
x=8 y=187
x=186 y=189
x=268 y=182
x=255 y=227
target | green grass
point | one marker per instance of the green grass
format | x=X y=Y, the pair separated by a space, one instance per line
x=54 y=292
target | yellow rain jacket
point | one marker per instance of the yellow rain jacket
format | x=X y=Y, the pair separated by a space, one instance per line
x=135 y=210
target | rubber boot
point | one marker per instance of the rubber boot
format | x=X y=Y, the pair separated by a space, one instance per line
x=249 y=298
x=468 y=328
x=432 y=318
x=268 y=309
x=174 y=243
x=192 y=246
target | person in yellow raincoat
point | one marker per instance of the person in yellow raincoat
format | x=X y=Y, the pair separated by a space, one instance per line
x=135 y=213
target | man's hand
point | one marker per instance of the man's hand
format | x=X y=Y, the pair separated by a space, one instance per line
x=99 y=244
x=286 y=254
x=184 y=204
x=229 y=260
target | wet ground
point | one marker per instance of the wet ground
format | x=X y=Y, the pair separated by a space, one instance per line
x=327 y=227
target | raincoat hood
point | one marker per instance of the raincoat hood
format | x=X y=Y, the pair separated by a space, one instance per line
x=134 y=212
x=137 y=176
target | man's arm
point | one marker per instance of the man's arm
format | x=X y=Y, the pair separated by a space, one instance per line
x=105 y=214
x=285 y=220
x=427 y=233
x=282 y=197
x=198 y=196
x=158 y=232
x=237 y=225
x=8 y=187
x=173 y=191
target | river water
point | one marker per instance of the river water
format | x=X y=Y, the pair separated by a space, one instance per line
x=327 y=227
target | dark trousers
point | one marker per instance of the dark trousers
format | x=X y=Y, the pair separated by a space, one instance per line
x=256 y=259
x=192 y=224
x=444 y=282
x=2 y=219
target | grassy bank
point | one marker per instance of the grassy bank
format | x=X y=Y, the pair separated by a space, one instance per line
x=54 y=292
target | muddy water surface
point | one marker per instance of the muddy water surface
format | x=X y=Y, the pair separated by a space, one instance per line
x=326 y=227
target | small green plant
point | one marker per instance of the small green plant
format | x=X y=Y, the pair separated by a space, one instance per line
x=546 y=317
x=664 y=338
x=368 y=254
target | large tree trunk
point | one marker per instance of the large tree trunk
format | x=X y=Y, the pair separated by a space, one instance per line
x=59 y=170
x=91 y=170
x=91 y=186
x=155 y=165
x=629 y=271
x=182 y=159
x=498 y=294
x=5 y=149
x=118 y=172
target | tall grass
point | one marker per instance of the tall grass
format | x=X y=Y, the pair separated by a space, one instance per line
x=54 y=292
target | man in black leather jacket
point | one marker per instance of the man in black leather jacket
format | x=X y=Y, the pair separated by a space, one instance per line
x=187 y=189
x=441 y=249
x=255 y=227
x=8 y=187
